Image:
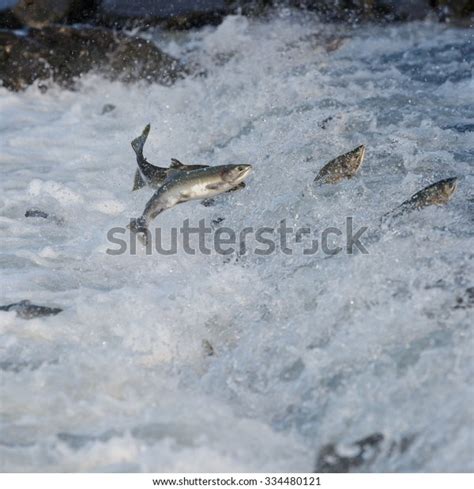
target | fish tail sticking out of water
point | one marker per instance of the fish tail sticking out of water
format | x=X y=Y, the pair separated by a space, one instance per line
x=139 y=142
x=146 y=174
x=438 y=193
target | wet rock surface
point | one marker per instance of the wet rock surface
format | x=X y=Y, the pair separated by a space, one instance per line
x=63 y=54
x=15 y=14
x=453 y=8
x=39 y=13
x=386 y=10
x=49 y=51
x=7 y=19
x=180 y=14
x=185 y=14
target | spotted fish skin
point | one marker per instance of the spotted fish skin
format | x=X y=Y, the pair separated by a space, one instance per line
x=438 y=193
x=343 y=167
x=27 y=310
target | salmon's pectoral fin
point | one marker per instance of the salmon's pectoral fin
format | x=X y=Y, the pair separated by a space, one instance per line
x=241 y=185
x=213 y=186
x=176 y=164
x=138 y=181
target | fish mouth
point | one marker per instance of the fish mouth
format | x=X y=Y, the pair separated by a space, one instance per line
x=452 y=184
x=244 y=171
x=360 y=152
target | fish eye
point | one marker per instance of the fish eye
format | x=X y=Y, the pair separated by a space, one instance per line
x=241 y=168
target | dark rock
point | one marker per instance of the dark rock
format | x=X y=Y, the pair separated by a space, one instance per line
x=160 y=8
x=337 y=459
x=452 y=9
x=462 y=128
x=108 y=108
x=372 y=9
x=36 y=213
x=20 y=63
x=217 y=221
x=27 y=310
x=361 y=453
x=44 y=215
x=404 y=9
x=466 y=301
x=64 y=53
x=330 y=10
x=7 y=18
x=324 y=123
x=185 y=14
x=193 y=20
x=179 y=14
x=380 y=10
x=39 y=13
x=207 y=348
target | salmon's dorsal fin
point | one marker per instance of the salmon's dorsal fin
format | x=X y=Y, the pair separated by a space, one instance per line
x=176 y=164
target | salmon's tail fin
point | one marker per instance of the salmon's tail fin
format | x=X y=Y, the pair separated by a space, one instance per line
x=139 y=142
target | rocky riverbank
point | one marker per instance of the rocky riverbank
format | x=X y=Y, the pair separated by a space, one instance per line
x=195 y=13
x=60 y=40
x=62 y=54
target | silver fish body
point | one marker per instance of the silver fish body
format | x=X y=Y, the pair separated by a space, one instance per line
x=182 y=187
x=343 y=167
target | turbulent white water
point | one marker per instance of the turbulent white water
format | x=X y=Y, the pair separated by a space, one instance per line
x=307 y=350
